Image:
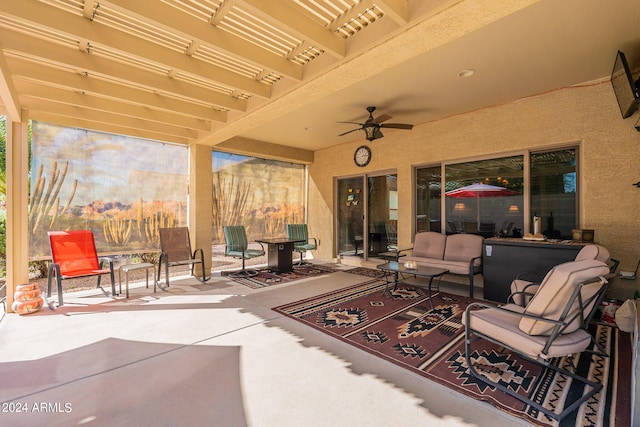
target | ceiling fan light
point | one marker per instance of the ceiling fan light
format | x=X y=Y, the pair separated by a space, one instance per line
x=370 y=131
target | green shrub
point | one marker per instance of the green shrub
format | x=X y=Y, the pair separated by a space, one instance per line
x=3 y=233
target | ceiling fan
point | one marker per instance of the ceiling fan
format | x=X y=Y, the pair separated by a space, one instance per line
x=371 y=126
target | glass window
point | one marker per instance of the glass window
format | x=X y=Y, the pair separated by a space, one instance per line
x=485 y=196
x=263 y=195
x=428 y=199
x=382 y=213
x=553 y=192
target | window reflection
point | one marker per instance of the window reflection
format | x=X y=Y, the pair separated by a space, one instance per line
x=553 y=192
x=485 y=196
x=428 y=199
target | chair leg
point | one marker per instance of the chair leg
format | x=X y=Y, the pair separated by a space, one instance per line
x=595 y=387
x=54 y=271
x=200 y=252
x=244 y=272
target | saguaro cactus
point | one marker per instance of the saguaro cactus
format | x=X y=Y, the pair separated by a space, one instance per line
x=230 y=203
x=116 y=230
x=43 y=203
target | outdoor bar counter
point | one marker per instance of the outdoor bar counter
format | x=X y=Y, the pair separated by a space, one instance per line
x=504 y=259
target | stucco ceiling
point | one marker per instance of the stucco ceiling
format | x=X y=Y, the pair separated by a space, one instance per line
x=233 y=72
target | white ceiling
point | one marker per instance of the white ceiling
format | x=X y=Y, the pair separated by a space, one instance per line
x=284 y=72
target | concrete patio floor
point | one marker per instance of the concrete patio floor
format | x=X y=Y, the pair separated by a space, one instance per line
x=210 y=354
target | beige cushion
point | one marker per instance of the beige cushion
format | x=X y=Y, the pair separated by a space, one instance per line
x=463 y=247
x=429 y=244
x=555 y=291
x=593 y=252
x=455 y=267
x=503 y=326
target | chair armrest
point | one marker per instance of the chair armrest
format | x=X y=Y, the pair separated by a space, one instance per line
x=524 y=293
x=404 y=250
x=261 y=246
x=472 y=262
x=315 y=241
x=614 y=265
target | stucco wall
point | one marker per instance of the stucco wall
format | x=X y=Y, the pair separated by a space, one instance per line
x=587 y=115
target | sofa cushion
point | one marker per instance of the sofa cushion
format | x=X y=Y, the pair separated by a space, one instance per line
x=429 y=244
x=554 y=292
x=455 y=267
x=464 y=247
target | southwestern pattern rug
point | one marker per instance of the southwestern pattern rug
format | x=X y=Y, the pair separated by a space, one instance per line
x=404 y=329
x=266 y=278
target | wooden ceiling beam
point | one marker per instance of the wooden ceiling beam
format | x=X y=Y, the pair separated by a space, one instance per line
x=306 y=28
x=397 y=10
x=8 y=92
x=81 y=113
x=85 y=100
x=167 y=17
x=40 y=50
x=85 y=82
x=62 y=22
x=53 y=118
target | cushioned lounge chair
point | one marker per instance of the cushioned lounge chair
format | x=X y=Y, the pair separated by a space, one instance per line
x=74 y=255
x=553 y=324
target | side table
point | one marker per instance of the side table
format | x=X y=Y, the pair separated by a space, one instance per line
x=131 y=267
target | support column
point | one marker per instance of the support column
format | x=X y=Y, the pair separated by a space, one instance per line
x=200 y=200
x=17 y=205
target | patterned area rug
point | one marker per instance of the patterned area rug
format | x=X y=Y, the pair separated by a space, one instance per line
x=266 y=278
x=403 y=329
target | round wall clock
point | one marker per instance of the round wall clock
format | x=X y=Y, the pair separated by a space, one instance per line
x=362 y=156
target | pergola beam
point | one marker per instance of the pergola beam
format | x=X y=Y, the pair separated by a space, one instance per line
x=8 y=92
x=88 y=83
x=397 y=10
x=82 y=113
x=51 y=17
x=20 y=45
x=165 y=16
x=85 y=100
x=306 y=28
x=45 y=116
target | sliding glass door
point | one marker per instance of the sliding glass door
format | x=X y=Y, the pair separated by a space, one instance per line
x=367 y=215
x=350 y=221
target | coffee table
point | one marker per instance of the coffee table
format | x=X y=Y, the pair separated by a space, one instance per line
x=425 y=272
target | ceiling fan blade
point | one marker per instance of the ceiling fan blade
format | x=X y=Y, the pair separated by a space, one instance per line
x=349 y=131
x=397 y=126
x=382 y=118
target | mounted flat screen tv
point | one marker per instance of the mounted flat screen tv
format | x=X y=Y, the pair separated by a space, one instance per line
x=625 y=88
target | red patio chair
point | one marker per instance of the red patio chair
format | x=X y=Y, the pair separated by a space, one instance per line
x=74 y=255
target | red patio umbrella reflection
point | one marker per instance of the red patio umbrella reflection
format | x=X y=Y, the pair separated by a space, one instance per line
x=478 y=190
